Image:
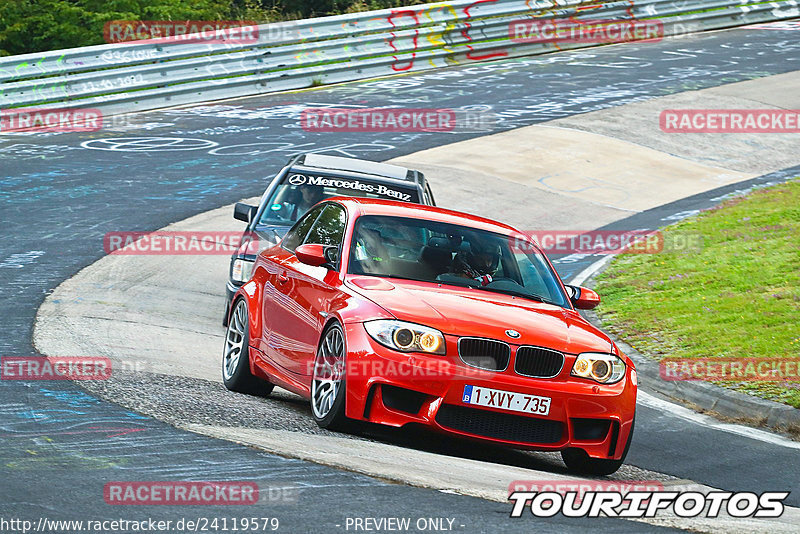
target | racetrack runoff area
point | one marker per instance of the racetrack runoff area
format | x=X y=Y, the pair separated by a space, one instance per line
x=599 y=167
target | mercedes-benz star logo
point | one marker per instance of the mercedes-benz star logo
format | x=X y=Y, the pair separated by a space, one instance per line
x=297 y=179
x=513 y=334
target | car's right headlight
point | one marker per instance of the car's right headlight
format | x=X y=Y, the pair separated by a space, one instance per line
x=406 y=337
x=600 y=367
x=242 y=269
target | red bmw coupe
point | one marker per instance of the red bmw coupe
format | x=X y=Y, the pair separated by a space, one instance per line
x=397 y=313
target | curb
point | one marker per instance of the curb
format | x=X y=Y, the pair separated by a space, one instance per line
x=729 y=404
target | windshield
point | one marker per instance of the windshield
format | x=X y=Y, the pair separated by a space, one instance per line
x=298 y=192
x=428 y=251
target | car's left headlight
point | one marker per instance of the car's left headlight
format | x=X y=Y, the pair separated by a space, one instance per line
x=602 y=368
x=406 y=337
x=242 y=269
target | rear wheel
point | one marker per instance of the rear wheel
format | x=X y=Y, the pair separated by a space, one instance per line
x=236 y=373
x=328 y=381
x=577 y=460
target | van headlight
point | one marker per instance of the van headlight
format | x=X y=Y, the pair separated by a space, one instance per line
x=406 y=337
x=242 y=269
x=602 y=368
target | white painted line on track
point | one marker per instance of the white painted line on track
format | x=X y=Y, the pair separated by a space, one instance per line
x=584 y=275
x=707 y=421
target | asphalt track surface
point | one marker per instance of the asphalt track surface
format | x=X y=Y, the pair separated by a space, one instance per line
x=61 y=193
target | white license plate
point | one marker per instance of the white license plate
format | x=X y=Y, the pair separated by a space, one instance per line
x=506 y=400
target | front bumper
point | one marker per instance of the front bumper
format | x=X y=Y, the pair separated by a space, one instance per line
x=393 y=388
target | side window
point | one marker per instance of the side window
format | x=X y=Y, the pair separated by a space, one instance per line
x=297 y=234
x=329 y=228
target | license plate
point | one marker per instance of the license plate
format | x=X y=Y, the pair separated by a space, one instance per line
x=506 y=400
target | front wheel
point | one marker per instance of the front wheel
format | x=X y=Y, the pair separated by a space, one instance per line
x=577 y=460
x=236 y=373
x=328 y=381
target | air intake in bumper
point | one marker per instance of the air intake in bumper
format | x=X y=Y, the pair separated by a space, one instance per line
x=497 y=425
x=401 y=399
x=590 y=429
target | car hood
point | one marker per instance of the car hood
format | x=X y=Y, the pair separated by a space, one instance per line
x=471 y=312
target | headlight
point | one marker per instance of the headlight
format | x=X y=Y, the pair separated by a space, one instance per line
x=406 y=337
x=603 y=368
x=242 y=269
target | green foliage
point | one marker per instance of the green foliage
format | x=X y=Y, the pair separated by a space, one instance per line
x=40 y=25
x=738 y=297
x=296 y=9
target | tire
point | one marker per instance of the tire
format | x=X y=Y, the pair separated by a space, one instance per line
x=328 y=388
x=578 y=461
x=236 y=373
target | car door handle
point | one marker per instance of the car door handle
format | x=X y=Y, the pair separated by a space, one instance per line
x=283 y=278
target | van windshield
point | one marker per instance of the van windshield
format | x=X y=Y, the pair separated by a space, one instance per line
x=298 y=192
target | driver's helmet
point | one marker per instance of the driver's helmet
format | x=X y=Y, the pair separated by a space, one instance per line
x=483 y=255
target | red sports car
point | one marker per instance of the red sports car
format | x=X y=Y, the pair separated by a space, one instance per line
x=397 y=313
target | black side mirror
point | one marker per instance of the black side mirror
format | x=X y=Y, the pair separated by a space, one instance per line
x=572 y=291
x=244 y=212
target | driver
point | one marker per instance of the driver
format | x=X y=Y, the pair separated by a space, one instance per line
x=305 y=199
x=479 y=262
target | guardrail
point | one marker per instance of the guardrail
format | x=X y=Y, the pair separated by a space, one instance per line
x=150 y=74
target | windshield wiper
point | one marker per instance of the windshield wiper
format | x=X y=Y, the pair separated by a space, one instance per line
x=531 y=296
x=439 y=282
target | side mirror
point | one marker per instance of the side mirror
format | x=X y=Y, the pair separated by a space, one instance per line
x=244 y=212
x=311 y=254
x=583 y=298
